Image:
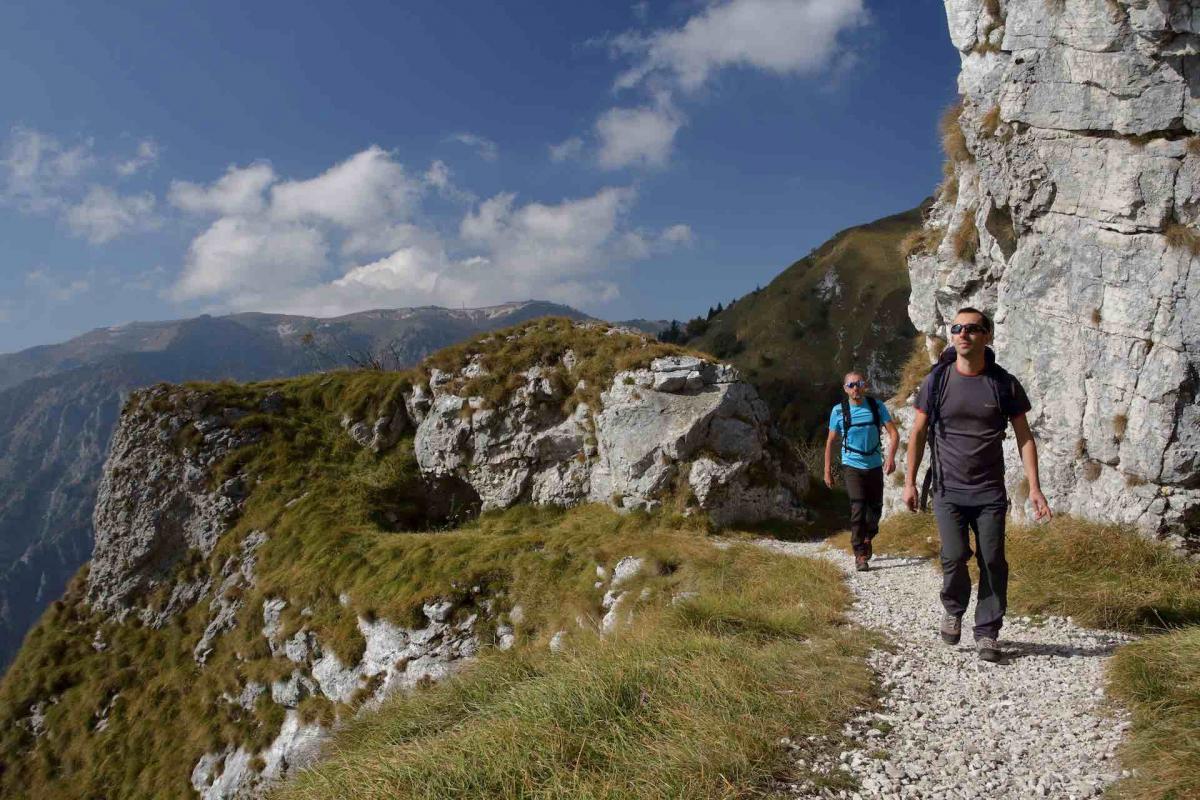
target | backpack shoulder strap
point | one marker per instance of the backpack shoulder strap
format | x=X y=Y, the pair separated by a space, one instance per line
x=874 y=404
x=845 y=418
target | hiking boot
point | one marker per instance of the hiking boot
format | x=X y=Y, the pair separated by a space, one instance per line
x=951 y=628
x=988 y=649
x=860 y=563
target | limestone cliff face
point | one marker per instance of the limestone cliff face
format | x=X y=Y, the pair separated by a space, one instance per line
x=1072 y=213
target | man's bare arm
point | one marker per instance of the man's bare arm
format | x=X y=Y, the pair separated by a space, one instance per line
x=889 y=466
x=1027 y=446
x=916 y=452
x=829 y=440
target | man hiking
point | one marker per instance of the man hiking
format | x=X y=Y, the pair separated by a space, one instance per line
x=857 y=420
x=967 y=401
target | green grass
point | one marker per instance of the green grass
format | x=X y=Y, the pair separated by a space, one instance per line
x=690 y=703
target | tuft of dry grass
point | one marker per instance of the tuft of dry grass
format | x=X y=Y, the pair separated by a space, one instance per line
x=990 y=121
x=913 y=372
x=1120 y=422
x=954 y=143
x=1193 y=145
x=947 y=191
x=966 y=237
x=1183 y=237
x=993 y=8
x=921 y=242
x=1096 y=317
x=1158 y=680
x=1091 y=470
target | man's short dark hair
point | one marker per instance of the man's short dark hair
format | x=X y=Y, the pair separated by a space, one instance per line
x=987 y=321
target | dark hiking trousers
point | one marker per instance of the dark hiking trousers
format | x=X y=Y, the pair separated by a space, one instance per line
x=955 y=522
x=865 y=487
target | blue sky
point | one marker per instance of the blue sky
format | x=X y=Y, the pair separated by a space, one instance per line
x=163 y=159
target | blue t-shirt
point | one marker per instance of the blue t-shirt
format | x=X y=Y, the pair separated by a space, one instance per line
x=863 y=437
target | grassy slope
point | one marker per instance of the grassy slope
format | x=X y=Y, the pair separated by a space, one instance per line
x=168 y=710
x=1105 y=576
x=798 y=345
x=690 y=703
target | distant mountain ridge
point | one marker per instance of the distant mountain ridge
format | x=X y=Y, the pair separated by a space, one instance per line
x=59 y=403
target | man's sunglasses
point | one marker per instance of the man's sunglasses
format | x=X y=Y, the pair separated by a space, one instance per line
x=969 y=328
x=859 y=384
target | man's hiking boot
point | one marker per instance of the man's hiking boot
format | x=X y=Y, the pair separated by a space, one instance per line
x=988 y=649
x=860 y=563
x=951 y=628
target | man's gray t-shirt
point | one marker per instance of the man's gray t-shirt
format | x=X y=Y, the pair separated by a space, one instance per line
x=970 y=435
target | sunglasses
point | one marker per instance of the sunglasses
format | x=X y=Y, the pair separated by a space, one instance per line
x=969 y=328
x=859 y=384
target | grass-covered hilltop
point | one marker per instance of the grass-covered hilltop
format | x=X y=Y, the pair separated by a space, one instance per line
x=272 y=560
x=843 y=305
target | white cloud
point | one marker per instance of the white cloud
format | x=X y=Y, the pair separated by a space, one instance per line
x=59 y=290
x=785 y=37
x=484 y=147
x=37 y=168
x=362 y=191
x=438 y=177
x=251 y=258
x=636 y=136
x=146 y=156
x=566 y=150
x=103 y=215
x=678 y=235
x=356 y=237
x=238 y=191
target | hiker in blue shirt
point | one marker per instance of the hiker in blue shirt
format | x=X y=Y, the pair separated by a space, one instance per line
x=857 y=420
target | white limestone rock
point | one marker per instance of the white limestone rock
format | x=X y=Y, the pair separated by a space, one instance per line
x=1072 y=196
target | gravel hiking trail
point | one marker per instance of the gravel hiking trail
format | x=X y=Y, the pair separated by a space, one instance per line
x=951 y=726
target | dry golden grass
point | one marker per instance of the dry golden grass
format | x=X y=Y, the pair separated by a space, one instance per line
x=690 y=703
x=993 y=8
x=1120 y=422
x=966 y=237
x=954 y=143
x=914 y=371
x=1158 y=679
x=921 y=242
x=990 y=121
x=1193 y=145
x=1183 y=237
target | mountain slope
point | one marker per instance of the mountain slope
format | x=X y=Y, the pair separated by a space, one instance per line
x=842 y=307
x=60 y=404
x=273 y=557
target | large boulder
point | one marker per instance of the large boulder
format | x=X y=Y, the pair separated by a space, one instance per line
x=682 y=428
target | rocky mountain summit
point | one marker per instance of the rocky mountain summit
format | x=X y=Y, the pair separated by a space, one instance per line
x=1071 y=210
x=268 y=561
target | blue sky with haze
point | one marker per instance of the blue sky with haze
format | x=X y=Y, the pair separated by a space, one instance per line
x=163 y=159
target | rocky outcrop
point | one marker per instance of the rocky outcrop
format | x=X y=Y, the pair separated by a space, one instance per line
x=681 y=424
x=1072 y=214
x=158 y=501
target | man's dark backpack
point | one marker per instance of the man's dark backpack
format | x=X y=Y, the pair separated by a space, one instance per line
x=1002 y=386
x=873 y=404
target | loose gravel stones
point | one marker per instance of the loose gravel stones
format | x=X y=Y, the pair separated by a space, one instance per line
x=952 y=726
